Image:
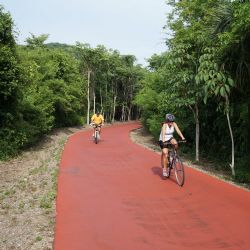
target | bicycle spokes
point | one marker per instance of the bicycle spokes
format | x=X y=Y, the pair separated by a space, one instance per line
x=179 y=171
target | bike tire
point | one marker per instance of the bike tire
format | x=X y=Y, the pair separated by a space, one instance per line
x=168 y=170
x=179 y=171
x=96 y=137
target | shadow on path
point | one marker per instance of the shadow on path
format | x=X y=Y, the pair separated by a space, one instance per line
x=156 y=170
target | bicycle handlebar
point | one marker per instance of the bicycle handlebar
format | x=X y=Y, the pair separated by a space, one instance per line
x=180 y=141
x=95 y=125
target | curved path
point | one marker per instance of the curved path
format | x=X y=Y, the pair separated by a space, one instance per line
x=111 y=197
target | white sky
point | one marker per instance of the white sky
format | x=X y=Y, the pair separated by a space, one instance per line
x=130 y=26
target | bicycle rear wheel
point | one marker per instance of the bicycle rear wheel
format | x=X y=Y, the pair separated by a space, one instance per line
x=96 y=137
x=179 y=171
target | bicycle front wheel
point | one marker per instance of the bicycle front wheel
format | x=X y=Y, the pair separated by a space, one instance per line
x=179 y=171
x=96 y=137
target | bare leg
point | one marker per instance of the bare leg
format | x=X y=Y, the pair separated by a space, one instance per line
x=174 y=143
x=164 y=156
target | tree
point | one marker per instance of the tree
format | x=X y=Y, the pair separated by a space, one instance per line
x=217 y=83
x=227 y=65
x=90 y=60
x=188 y=22
x=36 y=41
x=11 y=83
x=10 y=78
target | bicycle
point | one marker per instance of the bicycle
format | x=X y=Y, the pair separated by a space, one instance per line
x=96 y=132
x=175 y=162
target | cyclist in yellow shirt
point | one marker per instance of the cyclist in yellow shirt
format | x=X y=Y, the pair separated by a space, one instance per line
x=97 y=120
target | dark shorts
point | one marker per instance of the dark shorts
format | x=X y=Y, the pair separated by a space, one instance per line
x=165 y=145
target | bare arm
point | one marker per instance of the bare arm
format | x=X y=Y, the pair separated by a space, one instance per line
x=163 y=129
x=178 y=131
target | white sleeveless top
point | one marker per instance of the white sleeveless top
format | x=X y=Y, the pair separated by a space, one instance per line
x=168 y=134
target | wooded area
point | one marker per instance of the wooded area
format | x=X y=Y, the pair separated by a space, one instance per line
x=202 y=78
x=44 y=86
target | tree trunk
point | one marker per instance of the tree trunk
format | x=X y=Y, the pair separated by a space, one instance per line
x=94 y=101
x=130 y=107
x=231 y=135
x=93 y=91
x=122 y=115
x=114 y=107
x=129 y=112
x=197 y=133
x=123 y=105
x=130 y=98
x=232 y=140
x=111 y=108
x=88 y=108
x=101 y=100
x=106 y=99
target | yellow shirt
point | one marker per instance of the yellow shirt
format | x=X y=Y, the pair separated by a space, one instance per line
x=97 y=119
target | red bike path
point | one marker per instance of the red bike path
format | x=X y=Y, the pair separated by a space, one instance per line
x=111 y=196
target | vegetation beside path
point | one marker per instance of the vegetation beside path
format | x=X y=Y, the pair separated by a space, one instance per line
x=28 y=186
x=142 y=137
x=203 y=79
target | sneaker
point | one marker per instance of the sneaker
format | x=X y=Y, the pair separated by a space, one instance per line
x=164 y=173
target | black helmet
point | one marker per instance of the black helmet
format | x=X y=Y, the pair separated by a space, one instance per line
x=170 y=118
x=97 y=112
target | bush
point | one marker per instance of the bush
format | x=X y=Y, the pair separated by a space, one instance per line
x=242 y=170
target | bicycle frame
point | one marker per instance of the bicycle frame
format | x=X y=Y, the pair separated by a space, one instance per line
x=174 y=162
x=96 y=133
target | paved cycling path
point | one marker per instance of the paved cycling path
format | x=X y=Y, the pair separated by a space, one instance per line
x=111 y=197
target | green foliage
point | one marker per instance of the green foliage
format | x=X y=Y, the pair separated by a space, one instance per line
x=11 y=83
x=217 y=81
x=40 y=89
x=207 y=59
x=36 y=41
x=114 y=80
x=47 y=200
x=55 y=88
x=9 y=70
x=6 y=29
x=43 y=86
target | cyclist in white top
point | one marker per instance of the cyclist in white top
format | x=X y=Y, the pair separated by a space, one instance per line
x=166 y=136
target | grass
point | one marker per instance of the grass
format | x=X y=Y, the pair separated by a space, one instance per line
x=47 y=200
x=22 y=184
x=39 y=170
x=9 y=193
x=39 y=238
x=21 y=205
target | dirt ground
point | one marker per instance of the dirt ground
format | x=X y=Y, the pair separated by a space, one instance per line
x=27 y=194
x=28 y=185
